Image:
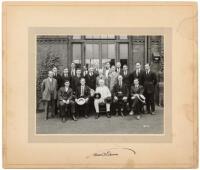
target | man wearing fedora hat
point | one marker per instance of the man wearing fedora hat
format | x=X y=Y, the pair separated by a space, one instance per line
x=120 y=96
x=104 y=96
x=137 y=98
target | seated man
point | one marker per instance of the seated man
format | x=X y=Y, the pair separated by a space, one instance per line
x=137 y=98
x=82 y=94
x=105 y=95
x=120 y=96
x=65 y=97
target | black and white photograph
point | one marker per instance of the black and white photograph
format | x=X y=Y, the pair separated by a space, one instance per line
x=100 y=84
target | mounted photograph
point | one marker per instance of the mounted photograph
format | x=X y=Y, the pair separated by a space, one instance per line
x=100 y=84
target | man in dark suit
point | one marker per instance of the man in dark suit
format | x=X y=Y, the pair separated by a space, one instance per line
x=59 y=84
x=57 y=77
x=82 y=91
x=120 y=96
x=84 y=71
x=150 y=82
x=65 y=76
x=138 y=73
x=76 y=79
x=72 y=70
x=65 y=97
x=49 y=94
x=136 y=92
x=90 y=79
x=125 y=75
x=118 y=68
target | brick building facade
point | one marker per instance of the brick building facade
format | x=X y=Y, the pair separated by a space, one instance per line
x=96 y=50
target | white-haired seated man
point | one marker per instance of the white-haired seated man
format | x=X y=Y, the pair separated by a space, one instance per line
x=102 y=96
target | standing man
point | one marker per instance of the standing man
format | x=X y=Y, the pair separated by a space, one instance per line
x=59 y=84
x=57 y=77
x=150 y=82
x=138 y=73
x=91 y=79
x=120 y=96
x=76 y=79
x=65 y=76
x=65 y=97
x=85 y=71
x=49 y=94
x=112 y=78
x=125 y=75
x=82 y=91
x=73 y=70
x=107 y=70
x=118 y=68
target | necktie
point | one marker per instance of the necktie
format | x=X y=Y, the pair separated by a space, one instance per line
x=120 y=84
x=82 y=88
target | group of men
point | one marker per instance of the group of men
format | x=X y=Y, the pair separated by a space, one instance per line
x=113 y=89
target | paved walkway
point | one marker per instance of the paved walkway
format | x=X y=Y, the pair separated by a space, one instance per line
x=148 y=124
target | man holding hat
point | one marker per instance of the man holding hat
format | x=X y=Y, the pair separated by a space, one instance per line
x=82 y=98
x=102 y=95
x=65 y=97
x=137 y=98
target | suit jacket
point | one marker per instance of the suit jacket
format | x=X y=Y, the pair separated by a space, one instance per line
x=70 y=73
x=75 y=82
x=63 y=79
x=86 y=92
x=140 y=77
x=112 y=80
x=59 y=80
x=65 y=95
x=91 y=81
x=104 y=72
x=46 y=89
x=120 y=72
x=150 y=80
x=117 y=88
x=135 y=90
x=126 y=78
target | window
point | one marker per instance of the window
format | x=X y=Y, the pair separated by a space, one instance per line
x=77 y=37
x=108 y=54
x=77 y=53
x=92 y=55
x=123 y=37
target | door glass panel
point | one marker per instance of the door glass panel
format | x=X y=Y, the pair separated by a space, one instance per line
x=123 y=53
x=76 y=51
x=108 y=54
x=92 y=55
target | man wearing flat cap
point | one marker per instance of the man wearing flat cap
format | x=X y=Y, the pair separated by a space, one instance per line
x=104 y=96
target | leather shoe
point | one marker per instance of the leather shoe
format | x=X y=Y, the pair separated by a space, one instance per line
x=97 y=116
x=108 y=115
